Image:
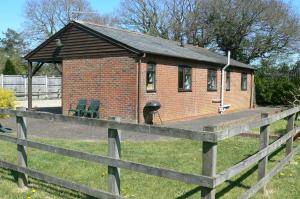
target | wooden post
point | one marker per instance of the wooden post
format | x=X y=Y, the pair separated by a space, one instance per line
x=25 y=86
x=264 y=142
x=22 y=150
x=114 y=151
x=29 y=87
x=290 y=126
x=46 y=85
x=209 y=163
x=2 y=80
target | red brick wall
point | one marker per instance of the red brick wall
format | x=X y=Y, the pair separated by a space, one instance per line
x=112 y=80
x=237 y=98
x=179 y=105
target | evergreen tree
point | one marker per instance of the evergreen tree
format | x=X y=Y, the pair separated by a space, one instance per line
x=9 y=68
x=13 y=43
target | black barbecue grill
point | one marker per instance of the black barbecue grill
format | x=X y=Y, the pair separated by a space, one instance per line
x=150 y=109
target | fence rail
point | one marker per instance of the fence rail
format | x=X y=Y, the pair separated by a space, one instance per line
x=210 y=137
x=42 y=86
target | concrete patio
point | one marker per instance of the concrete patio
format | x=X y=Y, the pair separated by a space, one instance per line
x=40 y=103
x=49 y=129
x=225 y=120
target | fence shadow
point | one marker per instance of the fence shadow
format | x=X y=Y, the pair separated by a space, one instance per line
x=190 y=193
x=54 y=190
x=238 y=182
x=54 y=110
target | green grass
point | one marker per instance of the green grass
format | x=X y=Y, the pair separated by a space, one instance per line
x=181 y=155
x=279 y=127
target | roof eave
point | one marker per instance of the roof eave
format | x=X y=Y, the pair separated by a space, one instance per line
x=81 y=26
x=27 y=57
x=160 y=54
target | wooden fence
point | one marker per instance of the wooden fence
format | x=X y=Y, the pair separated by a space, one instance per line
x=210 y=137
x=42 y=86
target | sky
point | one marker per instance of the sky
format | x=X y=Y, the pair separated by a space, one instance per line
x=11 y=12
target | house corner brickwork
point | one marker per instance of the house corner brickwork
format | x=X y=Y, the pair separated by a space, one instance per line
x=112 y=80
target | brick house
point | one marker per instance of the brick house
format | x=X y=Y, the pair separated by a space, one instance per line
x=125 y=70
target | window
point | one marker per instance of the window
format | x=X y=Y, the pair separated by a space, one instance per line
x=184 y=78
x=244 y=82
x=212 y=80
x=228 y=80
x=151 y=77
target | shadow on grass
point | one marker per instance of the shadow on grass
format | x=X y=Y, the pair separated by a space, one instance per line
x=275 y=153
x=279 y=132
x=190 y=193
x=51 y=189
x=236 y=183
x=233 y=183
x=57 y=190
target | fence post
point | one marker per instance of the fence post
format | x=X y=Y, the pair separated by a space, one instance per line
x=22 y=150
x=209 y=163
x=46 y=85
x=2 y=81
x=114 y=151
x=25 y=87
x=290 y=126
x=264 y=142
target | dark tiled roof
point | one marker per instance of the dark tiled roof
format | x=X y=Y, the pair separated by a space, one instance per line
x=156 y=45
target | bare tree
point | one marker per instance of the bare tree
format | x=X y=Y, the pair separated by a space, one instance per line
x=253 y=28
x=250 y=29
x=46 y=17
x=146 y=16
x=295 y=101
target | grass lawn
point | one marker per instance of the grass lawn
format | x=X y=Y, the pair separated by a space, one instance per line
x=181 y=155
x=279 y=127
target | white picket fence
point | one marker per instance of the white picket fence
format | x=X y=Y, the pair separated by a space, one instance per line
x=42 y=86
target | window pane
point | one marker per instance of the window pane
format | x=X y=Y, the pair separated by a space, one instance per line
x=244 y=81
x=228 y=80
x=184 y=78
x=150 y=78
x=188 y=71
x=187 y=82
x=212 y=80
x=180 y=77
x=151 y=67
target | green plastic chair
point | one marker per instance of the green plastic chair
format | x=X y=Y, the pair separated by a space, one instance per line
x=93 y=110
x=80 y=108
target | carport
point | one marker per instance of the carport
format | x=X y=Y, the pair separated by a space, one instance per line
x=36 y=63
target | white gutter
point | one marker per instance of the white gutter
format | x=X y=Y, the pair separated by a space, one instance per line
x=222 y=108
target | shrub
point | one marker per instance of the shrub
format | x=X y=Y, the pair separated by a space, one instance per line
x=274 y=84
x=9 y=68
x=273 y=91
x=7 y=100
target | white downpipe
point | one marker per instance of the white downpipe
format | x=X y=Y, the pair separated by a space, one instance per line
x=223 y=83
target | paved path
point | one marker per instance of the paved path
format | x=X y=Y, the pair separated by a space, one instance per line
x=40 y=103
x=48 y=129
x=223 y=120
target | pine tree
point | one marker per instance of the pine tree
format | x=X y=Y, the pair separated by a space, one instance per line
x=9 y=68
